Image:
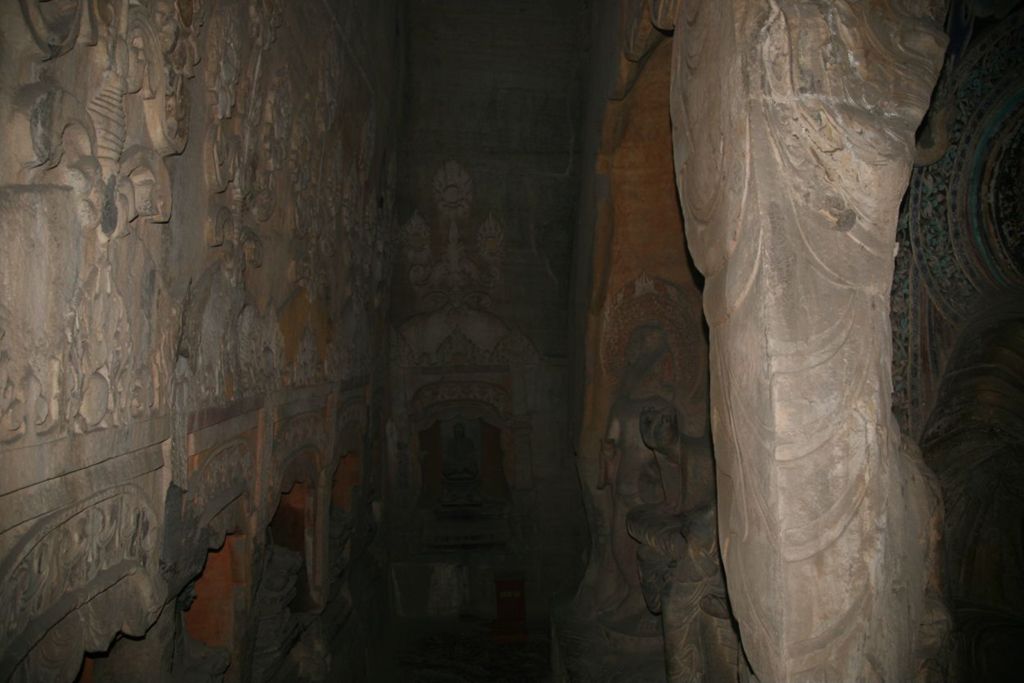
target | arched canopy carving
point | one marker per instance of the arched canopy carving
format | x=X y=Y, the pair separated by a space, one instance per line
x=441 y=400
x=974 y=440
x=103 y=548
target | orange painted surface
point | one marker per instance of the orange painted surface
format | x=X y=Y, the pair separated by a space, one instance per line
x=86 y=674
x=211 y=618
x=347 y=477
x=288 y=527
x=296 y=316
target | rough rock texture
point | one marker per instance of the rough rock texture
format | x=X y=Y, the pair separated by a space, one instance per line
x=794 y=126
x=195 y=211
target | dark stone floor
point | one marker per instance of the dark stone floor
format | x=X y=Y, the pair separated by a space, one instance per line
x=453 y=651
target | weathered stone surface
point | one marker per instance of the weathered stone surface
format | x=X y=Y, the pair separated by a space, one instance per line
x=642 y=342
x=791 y=162
x=284 y=352
x=956 y=330
x=195 y=206
x=680 y=570
x=960 y=225
x=972 y=440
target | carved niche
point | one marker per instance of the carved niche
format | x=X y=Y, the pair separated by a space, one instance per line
x=465 y=441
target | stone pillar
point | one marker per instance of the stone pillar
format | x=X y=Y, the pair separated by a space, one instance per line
x=793 y=132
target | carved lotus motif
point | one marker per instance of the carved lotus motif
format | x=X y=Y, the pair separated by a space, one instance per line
x=453 y=190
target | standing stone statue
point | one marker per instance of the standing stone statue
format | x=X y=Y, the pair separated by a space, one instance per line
x=629 y=471
x=793 y=126
x=678 y=558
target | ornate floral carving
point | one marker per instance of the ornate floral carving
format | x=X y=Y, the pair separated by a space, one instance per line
x=960 y=226
x=433 y=395
x=454 y=277
x=225 y=475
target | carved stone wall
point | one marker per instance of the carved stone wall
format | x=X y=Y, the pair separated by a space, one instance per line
x=486 y=199
x=960 y=225
x=196 y=201
x=956 y=323
x=644 y=341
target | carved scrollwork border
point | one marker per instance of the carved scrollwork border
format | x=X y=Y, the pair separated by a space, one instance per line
x=70 y=557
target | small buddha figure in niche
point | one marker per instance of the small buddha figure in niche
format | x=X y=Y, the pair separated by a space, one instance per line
x=460 y=469
x=680 y=567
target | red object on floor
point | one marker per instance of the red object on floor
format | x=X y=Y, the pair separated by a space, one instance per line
x=510 y=626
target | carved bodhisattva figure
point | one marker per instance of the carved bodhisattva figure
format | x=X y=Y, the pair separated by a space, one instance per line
x=629 y=470
x=678 y=558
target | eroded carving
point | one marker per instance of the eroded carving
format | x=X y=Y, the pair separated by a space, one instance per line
x=277 y=628
x=69 y=559
x=678 y=558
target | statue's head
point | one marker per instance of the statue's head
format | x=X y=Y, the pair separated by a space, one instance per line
x=647 y=344
x=659 y=427
x=459 y=429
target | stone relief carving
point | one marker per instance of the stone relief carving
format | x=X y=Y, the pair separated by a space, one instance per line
x=440 y=393
x=651 y=348
x=791 y=163
x=106 y=109
x=101 y=348
x=225 y=475
x=955 y=249
x=29 y=395
x=140 y=55
x=89 y=333
x=455 y=276
x=111 y=320
x=653 y=302
x=629 y=471
x=276 y=627
x=71 y=558
x=297 y=437
x=678 y=558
